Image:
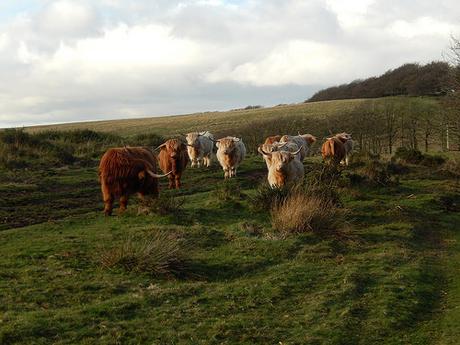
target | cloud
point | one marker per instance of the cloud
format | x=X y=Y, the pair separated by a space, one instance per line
x=71 y=60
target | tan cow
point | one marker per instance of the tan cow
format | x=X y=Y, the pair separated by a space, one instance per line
x=333 y=150
x=272 y=139
x=276 y=146
x=304 y=141
x=230 y=153
x=284 y=168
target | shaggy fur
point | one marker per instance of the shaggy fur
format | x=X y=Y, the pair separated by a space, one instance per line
x=230 y=153
x=200 y=148
x=333 y=150
x=304 y=141
x=123 y=171
x=272 y=139
x=284 y=168
x=173 y=157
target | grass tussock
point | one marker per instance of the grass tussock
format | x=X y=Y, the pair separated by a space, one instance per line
x=300 y=213
x=165 y=204
x=228 y=190
x=159 y=253
x=265 y=196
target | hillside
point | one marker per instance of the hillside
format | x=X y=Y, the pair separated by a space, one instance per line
x=208 y=264
x=407 y=80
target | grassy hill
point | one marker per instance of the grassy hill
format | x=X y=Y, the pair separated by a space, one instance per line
x=387 y=273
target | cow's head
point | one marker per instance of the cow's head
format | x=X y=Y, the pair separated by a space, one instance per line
x=173 y=147
x=280 y=159
x=193 y=139
x=269 y=148
x=227 y=145
x=343 y=137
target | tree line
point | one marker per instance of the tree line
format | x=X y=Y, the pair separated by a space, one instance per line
x=411 y=79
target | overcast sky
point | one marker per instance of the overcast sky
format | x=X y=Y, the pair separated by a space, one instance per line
x=67 y=60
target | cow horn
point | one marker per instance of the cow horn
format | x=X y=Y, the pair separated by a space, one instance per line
x=201 y=133
x=282 y=145
x=216 y=141
x=296 y=152
x=159 y=147
x=298 y=133
x=151 y=173
x=263 y=152
x=237 y=139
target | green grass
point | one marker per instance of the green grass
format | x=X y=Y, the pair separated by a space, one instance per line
x=390 y=278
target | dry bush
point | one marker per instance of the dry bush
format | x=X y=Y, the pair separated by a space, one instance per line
x=158 y=253
x=301 y=212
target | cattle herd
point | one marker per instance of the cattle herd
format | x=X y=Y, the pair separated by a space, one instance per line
x=128 y=170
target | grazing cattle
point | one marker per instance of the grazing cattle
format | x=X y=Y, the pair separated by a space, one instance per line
x=276 y=146
x=200 y=146
x=284 y=168
x=125 y=171
x=333 y=150
x=230 y=153
x=304 y=141
x=272 y=139
x=173 y=157
x=348 y=144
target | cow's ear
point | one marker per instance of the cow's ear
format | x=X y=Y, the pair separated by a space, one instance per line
x=141 y=175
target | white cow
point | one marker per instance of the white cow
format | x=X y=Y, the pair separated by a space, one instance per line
x=200 y=148
x=230 y=153
x=304 y=141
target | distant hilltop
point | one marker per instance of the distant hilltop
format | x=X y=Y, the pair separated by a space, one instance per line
x=411 y=79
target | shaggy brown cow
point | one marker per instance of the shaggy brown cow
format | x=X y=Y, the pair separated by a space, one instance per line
x=125 y=171
x=333 y=150
x=272 y=139
x=173 y=157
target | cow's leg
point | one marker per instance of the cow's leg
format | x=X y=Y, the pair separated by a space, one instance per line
x=171 y=181
x=123 y=203
x=347 y=160
x=193 y=162
x=226 y=173
x=107 y=197
x=233 y=171
x=177 y=180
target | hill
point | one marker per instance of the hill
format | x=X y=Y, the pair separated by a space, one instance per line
x=409 y=79
x=208 y=264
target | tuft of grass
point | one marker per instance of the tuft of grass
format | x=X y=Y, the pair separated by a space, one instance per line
x=165 y=204
x=158 y=253
x=265 y=197
x=300 y=213
x=408 y=155
x=228 y=190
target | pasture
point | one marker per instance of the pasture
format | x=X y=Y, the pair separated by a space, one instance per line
x=387 y=274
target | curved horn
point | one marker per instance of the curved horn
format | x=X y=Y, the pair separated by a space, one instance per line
x=159 y=147
x=236 y=139
x=151 y=173
x=280 y=145
x=296 y=152
x=263 y=152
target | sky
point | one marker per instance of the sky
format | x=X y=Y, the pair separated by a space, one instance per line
x=66 y=60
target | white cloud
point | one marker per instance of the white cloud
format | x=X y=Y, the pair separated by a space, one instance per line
x=71 y=60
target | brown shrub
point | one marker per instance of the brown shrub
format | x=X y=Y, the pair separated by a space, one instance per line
x=300 y=213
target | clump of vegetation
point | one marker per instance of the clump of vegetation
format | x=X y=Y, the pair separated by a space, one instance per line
x=165 y=204
x=20 y=149
x=433 y=161
x=450 y=202
x=252 y=228
x=362 y=157
x=397 y=168
x=158 y=253
x=408 y=155
x=266 y=196
x=452 y=168
x=147 y=139
x=228 y=190
x=301 y=213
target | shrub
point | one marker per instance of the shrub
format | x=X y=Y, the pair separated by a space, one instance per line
x=397 y=168
x=433 y=161
x=450 y=202
x=452 y=168
x=301 y=213
x=377 y=173
x=408 y=155
x=158 y=253
x=266 y=197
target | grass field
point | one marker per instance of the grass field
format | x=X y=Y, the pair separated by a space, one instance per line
x=388 y=275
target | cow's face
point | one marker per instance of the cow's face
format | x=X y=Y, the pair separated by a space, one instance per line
x=343 y=137
x=192 y=139
x=174 y=147
x=226 y=145
x=281 y=159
